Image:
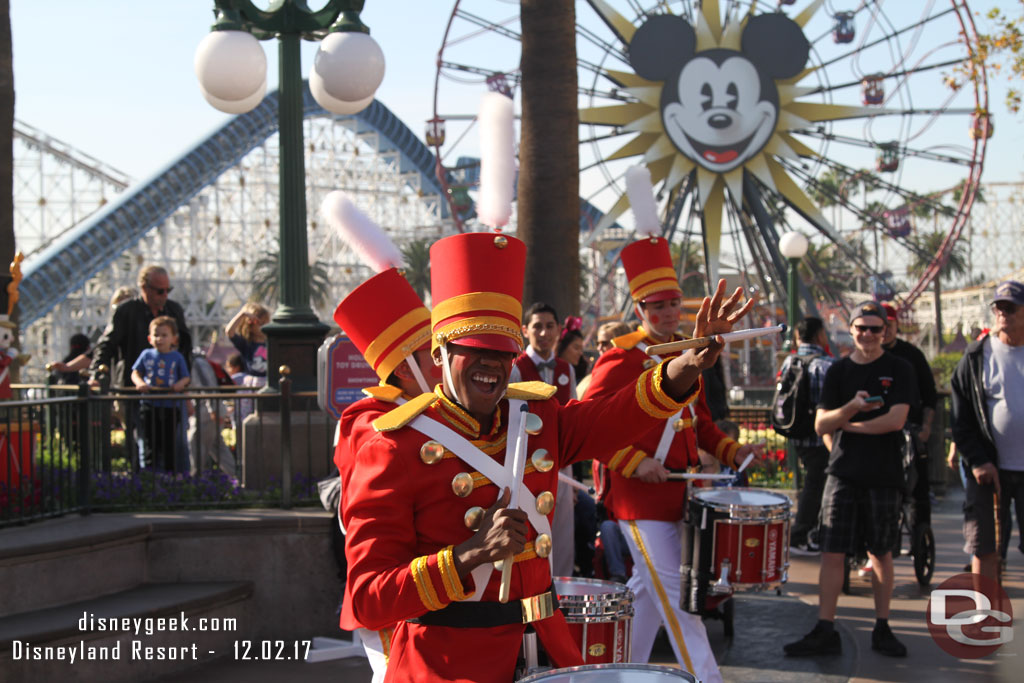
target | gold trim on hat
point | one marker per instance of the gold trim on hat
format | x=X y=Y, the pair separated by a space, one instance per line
x=474 y=302
x=415 y=325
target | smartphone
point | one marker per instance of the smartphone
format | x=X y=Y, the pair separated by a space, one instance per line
x=874 y=399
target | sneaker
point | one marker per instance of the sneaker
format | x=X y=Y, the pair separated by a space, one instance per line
x=817 y=642
x=806 y=548
x=866 y=571
x=883 y=640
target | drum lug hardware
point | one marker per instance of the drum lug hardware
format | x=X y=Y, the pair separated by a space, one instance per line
x=722 y=586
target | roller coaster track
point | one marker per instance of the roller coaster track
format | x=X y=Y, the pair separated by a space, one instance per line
x=81 y=252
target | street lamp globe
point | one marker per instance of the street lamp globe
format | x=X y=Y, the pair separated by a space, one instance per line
x=332 y=104
x=793 y=245
x=236 y=106
x=231 y=67
x=350 y=65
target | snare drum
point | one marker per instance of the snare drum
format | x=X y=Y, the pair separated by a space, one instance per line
x=739 y=539
x=612 y=673
x=599 y=614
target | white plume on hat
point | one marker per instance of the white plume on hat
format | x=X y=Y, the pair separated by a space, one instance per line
x=641 y=200
x=366 y=238
x=497 y=159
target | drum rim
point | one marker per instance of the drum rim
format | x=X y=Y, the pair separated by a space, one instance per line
x=622 y=666
x=602 y=598
x=700 y=497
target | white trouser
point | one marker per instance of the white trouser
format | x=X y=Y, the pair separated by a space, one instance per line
x=563 y=529
x=374 y=653
x=656 y=551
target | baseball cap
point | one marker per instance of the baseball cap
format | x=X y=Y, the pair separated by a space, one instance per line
x=890 y=311
x=868 y=308
x=1010 y=290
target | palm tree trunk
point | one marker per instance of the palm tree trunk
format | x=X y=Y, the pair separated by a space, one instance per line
x=549 y=197
x=938 y=316
x=6 y=151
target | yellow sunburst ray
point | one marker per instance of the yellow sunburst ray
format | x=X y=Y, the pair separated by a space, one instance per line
x=790 y=121
x=681 y=168
x=734 y=181
x=709 y=12
x=731 y=35
x=808 y=12
x=705 y=181
x=634 y=147
x=661 y=148
x=799 y=77
x=651 y=123
x=648 y=94
x=659 y=169
x=800 y=148
x=788 y=188
x=628 y=79
x=614 y=115
x=612 y=214
x=788 y=93
x=815 y=111
x=776 y=146
x=711 y=218
x=622 y=26
x=758 y=165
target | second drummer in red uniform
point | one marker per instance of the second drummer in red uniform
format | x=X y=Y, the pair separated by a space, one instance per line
x=427 y=517
x=648 y=506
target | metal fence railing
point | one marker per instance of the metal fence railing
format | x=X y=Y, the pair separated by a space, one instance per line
x=72 y=449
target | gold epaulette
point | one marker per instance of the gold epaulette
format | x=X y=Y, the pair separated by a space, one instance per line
x=383 y=392
x=403 y=414
x=530 y=391
x=629 y=341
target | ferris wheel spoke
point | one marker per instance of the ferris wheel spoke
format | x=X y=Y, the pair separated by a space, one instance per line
x=607 y=46
x=883 y=39
x=901 y=150
x=895 y=74
x=486 y=25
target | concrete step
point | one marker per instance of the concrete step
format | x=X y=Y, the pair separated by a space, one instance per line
x=137 y=634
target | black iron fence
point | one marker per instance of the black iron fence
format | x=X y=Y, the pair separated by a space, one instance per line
x=72 y=449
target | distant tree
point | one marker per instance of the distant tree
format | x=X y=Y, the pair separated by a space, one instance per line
x=6 y=148
x=927 y=246
x=265 y=280
x=1000 y=50
x=417 y=265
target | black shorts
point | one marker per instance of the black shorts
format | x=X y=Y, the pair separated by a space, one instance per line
x=979 y=518
x=852 y=514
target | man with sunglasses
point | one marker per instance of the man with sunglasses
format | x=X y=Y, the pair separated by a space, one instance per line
x=864 y=405
x=989 y=432
x=127 y=335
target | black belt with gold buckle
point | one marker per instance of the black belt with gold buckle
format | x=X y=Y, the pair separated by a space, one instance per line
x=487 y=614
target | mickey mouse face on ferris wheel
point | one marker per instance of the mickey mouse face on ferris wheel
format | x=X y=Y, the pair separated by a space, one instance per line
x=719 y=106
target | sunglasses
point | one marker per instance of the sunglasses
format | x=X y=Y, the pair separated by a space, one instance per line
x=873 y=329
x=1005 y=307
x=159 y=290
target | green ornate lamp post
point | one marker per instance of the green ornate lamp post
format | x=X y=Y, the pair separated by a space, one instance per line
x=793 y=246
x=348 y=68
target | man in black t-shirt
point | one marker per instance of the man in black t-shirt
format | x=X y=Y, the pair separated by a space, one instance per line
x=922 y=411
x=864 y=406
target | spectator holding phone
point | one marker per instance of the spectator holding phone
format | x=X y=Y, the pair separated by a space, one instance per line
x=864 y=405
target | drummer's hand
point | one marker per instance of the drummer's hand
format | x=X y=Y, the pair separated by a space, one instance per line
x=715 y=317
x=757 y=449
x=502 y=533
x=650 y=471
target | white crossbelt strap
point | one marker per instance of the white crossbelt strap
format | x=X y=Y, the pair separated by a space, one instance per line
x=667 y=433
x=487 y=466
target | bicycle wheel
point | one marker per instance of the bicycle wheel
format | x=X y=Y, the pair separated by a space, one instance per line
x=924 y=554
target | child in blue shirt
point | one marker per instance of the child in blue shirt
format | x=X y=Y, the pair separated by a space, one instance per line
x=160 y=368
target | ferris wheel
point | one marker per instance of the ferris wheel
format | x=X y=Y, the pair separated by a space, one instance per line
x=831 y=117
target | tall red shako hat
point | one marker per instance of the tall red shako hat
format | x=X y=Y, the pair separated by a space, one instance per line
x=383 y=316
x=647 y=262
x=476 y=286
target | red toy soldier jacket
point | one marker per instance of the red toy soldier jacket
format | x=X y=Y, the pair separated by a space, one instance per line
x=629 y=498
x=414 y=500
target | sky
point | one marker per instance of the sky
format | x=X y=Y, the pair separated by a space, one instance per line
x=115 y=79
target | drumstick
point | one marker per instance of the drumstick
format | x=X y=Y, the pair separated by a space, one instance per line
x=700 y=342
x=995 y=512
x=573 y=483
x=750 y=458
x=518 y=466
x=688 y=475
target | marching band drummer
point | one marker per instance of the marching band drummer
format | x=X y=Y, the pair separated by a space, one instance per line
x=395 y=341
x=427 y=517
x=650 y=507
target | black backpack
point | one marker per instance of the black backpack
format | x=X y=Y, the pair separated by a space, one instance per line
x=792 y=410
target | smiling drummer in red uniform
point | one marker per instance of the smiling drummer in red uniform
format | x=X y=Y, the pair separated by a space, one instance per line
x=394 y=338
x=648 y=506
x=425 y=517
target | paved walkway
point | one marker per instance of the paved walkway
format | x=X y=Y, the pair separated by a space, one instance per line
x=763 y=622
